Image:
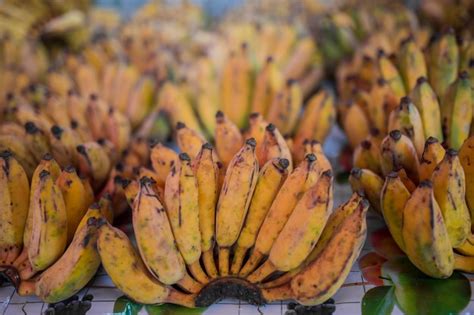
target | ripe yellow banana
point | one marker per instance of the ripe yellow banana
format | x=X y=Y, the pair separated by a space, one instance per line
x=316 y=148
x=275 y=146
x=466 y=157
x=426 y=101
x=234 y=200
x=227 y=137
x=367 y=155
x=425 y=235
x=207 y=177
x=77 y=198
x=368 y=184
x=94 y=162
x=63 y=145
x=311 y=286
x=181 y=198
x=268 y=81
x=316 y=121
x=355 y=124
x=406 y=118
x=235 y=87
x=162 y=160
x=271 y=177
x=456 y=111
x=399 y=152
x=432 y=155
x=128 y=272
x=412 y=63
x=301 y=231
x=393 y=199
x=19 y=148
x=391 y=75
x=14 y=204
x=189 y=141
x=74 y=269
x=298 y=181
x=48 y=236
x=256 y=130
x=118 y=129
x=286 y=107
x=300 y=59
x=382 y=102
x=450 y=194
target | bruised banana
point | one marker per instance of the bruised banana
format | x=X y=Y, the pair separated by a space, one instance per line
x=367 y=155
x=449 y=191
x=432 y=155
x=14 y=204
x=162 y=160
x=271 y=177
x=311 y=286
x=160 y=253
x=207 y=178
x=275 y=146
x=128 y=272
x=425 y=235
x=234 y=201
x=367 y=183
x=227 y=137
x=181 y=199
x=393 y=198
x=256 y=130
x=94 y=162
x=302 y=230
x=298 y=181
x=315 y=147
x=399 y=152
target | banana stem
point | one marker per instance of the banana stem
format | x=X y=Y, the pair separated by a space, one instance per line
x=189 y=284
x=224 y=253
x=238 y=260
x=197 y=272
x=209 y=263
x=177 y=297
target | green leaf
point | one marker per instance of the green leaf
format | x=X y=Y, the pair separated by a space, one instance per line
x=172 y=309
x=417 y=293
x=378 y=301
x=123 y=305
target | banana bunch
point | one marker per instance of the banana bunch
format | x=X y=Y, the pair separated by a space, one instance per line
x=426 y=202
x=49 y=226
x=422 y=93
x=238 y=214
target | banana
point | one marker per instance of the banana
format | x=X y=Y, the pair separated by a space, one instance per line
x=367 y=155
x=118 y=129
x=86 y=80
x=189 y=141
x=14 y=205
x=457 y=111
x=207 y=177
x=311 y=286
x=391 y=75
x=95 y=115
x=425 y=235
x=160 y=253
x=406 y=118
x=227 y=137
x=19 y=148
x=301 y=231
x=412 y=63
x=267 y=82
x=393 y=198
x=382 y=102
x=300 y=59
x=74 y=269
x=181 y=198
x=450 y=194
x=286 y=107
x=37 y=140
x=59 y=83
x=333 y=222
x=316 y=121
x=271 y=177
x=235 y=86
x=162 y=160
x=443 y=62
x=63 y=145
x=275 y=146
x=368 y=184
x=399 y=152
x=256 y=130
x=298 y=181
x=355 y=124
x=140 y=100
x=427 y=104
x=432 y=155
x=234 y=200
x=466 y=154
x=77 y=199
x=128 y=272
x=94 y=162
x=316 y=148
x=48 y=237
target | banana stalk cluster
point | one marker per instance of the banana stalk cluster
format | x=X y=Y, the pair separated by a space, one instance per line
x=49 y=226
x=239 y=215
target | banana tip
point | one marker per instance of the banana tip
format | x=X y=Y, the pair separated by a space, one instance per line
x=251 y=142
x=395 y=134
x=184 y=157
x=6 y=154
x=356 y=172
